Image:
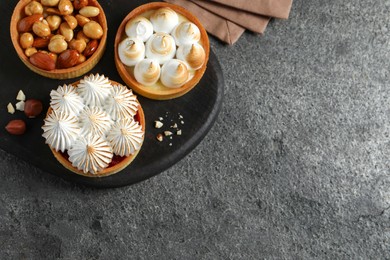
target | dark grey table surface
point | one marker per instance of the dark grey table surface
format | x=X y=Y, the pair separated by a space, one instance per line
x=296 y=166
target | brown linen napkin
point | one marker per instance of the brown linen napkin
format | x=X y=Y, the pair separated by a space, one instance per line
x=253 y=22
x=272 y=8
x=216 y=25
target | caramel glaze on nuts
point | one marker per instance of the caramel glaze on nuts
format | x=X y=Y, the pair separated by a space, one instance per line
x=64 y=28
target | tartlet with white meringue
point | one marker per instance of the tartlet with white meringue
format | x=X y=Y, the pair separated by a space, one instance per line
x=95 y=127
x=161 y=50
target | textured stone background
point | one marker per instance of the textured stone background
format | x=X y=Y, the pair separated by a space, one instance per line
x=296 y=166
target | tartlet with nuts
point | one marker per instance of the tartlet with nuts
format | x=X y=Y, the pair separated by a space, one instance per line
x=161 y=50
x=59 y=39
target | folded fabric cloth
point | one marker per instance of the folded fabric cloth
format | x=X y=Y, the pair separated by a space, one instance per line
x=216 y=25
x=252 y=22
x=272 y=8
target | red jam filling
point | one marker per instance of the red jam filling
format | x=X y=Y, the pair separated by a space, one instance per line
x=116 y=159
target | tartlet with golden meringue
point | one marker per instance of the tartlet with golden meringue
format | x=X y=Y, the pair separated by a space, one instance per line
x=97 y=139
x=178 y=38
x=65 y=22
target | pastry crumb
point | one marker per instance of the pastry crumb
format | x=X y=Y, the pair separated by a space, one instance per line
x=160 y=137
x=178 y=132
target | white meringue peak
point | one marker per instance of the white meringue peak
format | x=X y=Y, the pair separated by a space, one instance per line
x=90 y=153
x=164 y=20
x=95 y=121
x=131 y=50
x=94 y=89
x=126 y=137
x=139 y=27
x=60 y=130
x=160 y=47
x=147 y=72
x=193 y=54
x=174 y=73
x=66 y=99
x=122 y=103
x=185 y=33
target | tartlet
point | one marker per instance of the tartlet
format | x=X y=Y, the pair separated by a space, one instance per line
x=145 y=58
x=64 y=72
x=90 y=137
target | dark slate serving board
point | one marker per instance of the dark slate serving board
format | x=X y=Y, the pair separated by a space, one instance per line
x=199 y=109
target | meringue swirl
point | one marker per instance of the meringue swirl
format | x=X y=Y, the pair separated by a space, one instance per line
x=164 y=20
x=131 y=50
x=160 y=47
x=126 y=137
x=90 y=153
x=174 y=73
x=147 y=72
x=122 y=103
x=193 y=54
x=94 y=89
x=185 y=33
x=66 y=99
x=95 y=121
x=139 y=27
x=60 y=130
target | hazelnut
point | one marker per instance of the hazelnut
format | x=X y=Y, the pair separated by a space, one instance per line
x=33 y=8
x=78 y=4
x=32 y=107
x=65 y=7
x=16 y=127
x=26 y=40
x=30 y=51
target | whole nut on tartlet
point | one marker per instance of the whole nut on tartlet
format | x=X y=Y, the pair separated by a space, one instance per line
x=68 y=58
x=33 y=7
x=71 y=20
x=40 y=42
x=58 y=44
x=65 y=7
x=50 y=2
x=30 y=51
x=41 y=28
x=78 y=4
x=78 y=45
x=93 y=30
x=26 y=24
x=16 y=127
x=43 y=61
x=32 y=107
x=91 y=48
x=89 y=11
x=26 y=40
x=54 y=22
